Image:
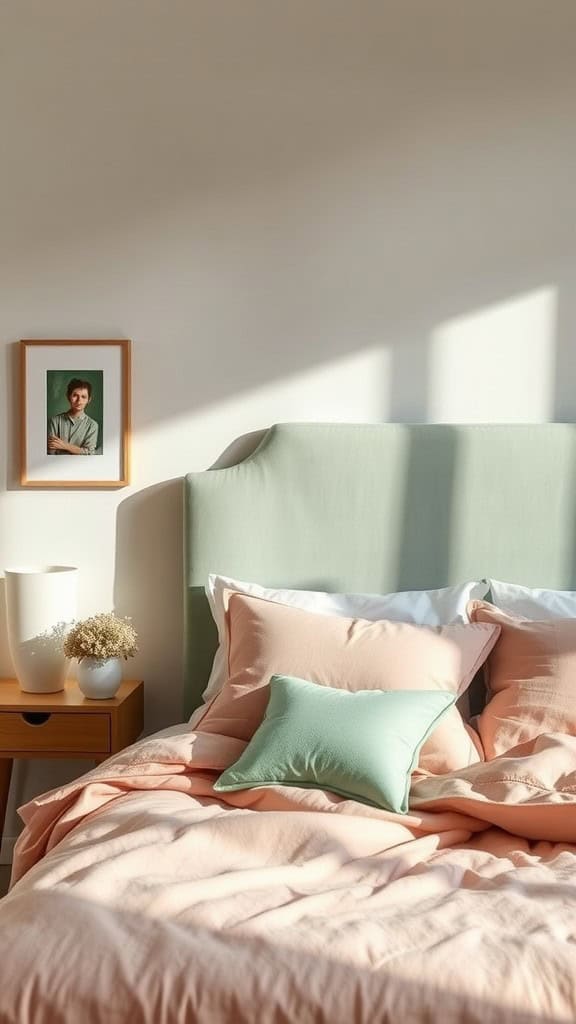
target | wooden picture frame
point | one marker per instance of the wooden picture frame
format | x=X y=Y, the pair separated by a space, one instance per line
x=75 y=403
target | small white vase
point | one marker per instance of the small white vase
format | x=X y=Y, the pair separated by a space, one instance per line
x=40 y=608
x=99 y=679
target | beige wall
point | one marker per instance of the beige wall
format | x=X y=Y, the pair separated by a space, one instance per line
x=308 y=209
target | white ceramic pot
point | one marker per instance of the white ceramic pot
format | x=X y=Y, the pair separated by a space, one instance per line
x=40 y=608
x=100 y=678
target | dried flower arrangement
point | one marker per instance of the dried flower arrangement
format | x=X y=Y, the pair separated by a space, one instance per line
x=102 y=636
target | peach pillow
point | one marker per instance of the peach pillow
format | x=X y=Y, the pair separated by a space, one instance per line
x=267 y=638
x=531 y=679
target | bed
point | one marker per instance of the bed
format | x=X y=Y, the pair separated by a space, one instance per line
x=140 y=893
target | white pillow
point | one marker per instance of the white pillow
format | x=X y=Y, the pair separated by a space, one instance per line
x=532 y=603
x=421 y=607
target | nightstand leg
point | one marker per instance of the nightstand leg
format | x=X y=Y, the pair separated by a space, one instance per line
x=5 y=776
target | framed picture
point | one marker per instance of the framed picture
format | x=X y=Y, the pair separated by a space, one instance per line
x=75 y=407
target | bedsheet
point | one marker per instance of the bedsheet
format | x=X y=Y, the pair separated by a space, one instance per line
x=139 y=897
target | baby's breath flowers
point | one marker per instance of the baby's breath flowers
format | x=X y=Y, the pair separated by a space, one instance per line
x=101 y=636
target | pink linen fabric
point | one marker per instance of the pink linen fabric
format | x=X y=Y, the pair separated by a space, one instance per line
x=531 y=679
x=143 y=897
x=266 y=638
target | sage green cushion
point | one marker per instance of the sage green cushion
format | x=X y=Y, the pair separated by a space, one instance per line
x=361 y=745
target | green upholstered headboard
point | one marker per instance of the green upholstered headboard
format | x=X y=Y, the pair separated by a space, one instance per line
x=378 y=508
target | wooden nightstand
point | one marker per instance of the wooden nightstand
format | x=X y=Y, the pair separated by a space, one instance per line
x=65 y=725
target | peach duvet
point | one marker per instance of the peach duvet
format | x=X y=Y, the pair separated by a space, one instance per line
x=138 y=896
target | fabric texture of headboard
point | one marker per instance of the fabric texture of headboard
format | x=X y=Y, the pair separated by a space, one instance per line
x=375 y=508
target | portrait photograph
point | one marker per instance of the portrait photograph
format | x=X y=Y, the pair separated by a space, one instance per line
x=75 y=413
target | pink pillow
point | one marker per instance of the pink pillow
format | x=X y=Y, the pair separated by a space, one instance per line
x=531 y=679
x=267 y=638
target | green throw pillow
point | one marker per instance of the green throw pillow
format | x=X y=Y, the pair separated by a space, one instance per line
x=361 y=745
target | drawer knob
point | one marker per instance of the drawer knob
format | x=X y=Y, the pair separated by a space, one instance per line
x=36 y=717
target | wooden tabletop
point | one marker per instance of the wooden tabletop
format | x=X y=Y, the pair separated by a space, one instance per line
x=12 y=698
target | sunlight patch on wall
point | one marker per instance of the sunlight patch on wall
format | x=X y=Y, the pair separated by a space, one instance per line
x=354 y=389
x=497 y=364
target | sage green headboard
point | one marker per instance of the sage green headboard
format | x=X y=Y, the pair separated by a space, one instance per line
x=377 y=508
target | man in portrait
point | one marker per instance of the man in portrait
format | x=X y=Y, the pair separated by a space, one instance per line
x=73 y=432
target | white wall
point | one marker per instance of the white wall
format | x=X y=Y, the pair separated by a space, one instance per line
x=314 y=209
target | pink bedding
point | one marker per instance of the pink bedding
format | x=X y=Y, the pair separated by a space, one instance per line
x=139 y=897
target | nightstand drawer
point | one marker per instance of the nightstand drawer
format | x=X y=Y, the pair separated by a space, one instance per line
x=34 y=731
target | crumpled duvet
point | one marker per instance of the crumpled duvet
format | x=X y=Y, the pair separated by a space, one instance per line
x=139 y=897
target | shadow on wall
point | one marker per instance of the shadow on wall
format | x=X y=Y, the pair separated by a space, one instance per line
x=406 y=177
x=3 y=622
x=148 y=587
x=149 y=584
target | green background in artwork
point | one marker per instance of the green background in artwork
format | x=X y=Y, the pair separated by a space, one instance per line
x=56 y=401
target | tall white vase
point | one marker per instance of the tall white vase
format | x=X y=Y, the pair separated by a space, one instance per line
x=40 y=606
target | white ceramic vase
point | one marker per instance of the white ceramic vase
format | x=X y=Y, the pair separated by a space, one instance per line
x=99 y=679
x=40 y=608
